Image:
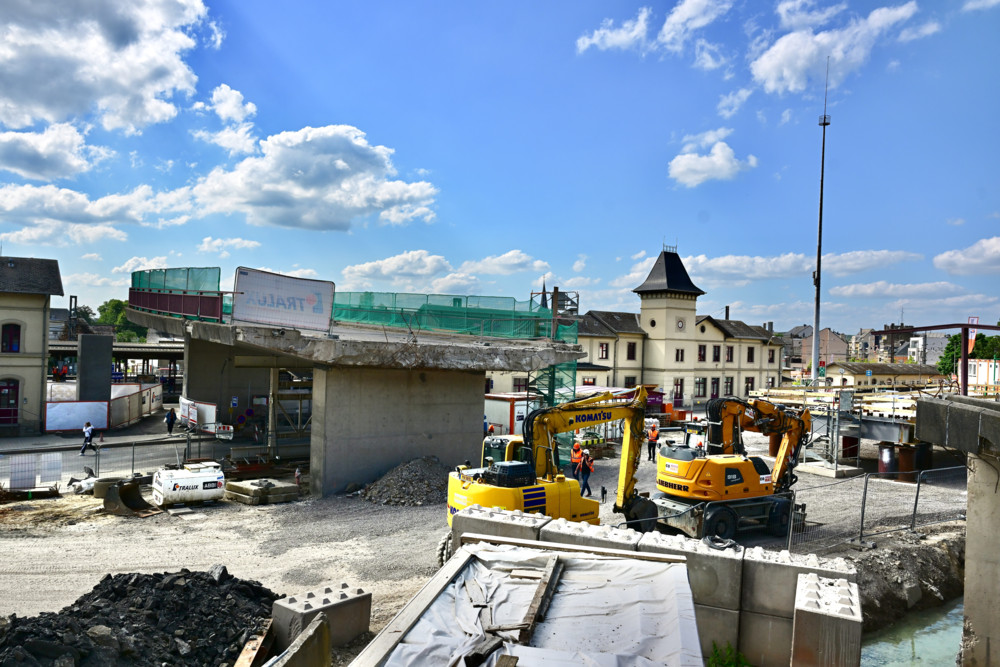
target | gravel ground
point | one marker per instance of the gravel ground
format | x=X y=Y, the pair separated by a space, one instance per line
x=56 y=550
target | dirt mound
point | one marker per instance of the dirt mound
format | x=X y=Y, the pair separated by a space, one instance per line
x=183 y=618
x=910 y=571
x=422 y=481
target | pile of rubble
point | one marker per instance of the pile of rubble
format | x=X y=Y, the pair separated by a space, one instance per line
x=422 y=481
x=183 y=618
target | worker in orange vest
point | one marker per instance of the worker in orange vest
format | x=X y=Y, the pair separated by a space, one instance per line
x=654 y=436
x=575 y=457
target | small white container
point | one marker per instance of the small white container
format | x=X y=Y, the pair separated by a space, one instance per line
x=195 y=482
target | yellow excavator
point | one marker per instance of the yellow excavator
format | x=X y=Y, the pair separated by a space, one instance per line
x=703 y=493
x=528 y=476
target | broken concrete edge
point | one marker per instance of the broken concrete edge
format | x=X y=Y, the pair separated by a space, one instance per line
x=347 y=608
x=770 y=579
x=968 y=424
x=310 y=648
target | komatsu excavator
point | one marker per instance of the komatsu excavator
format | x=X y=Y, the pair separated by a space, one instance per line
x=528 y=476
x=701 y=493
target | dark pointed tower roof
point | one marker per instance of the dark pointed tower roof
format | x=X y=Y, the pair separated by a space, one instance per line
x=668 y=275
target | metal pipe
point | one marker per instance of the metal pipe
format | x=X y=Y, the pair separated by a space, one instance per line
x=864 y=500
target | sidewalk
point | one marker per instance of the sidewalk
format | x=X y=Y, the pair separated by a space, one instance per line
x=149 y=428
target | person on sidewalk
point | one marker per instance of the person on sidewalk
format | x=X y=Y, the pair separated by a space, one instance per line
x=584 y=469
x=654 y=437
x=88 y=438
x=170 y=419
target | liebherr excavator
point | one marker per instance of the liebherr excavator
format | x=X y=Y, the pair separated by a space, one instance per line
x=530 y=478
x=702 y=494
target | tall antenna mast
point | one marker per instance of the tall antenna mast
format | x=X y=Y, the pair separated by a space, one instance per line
x=824 y=120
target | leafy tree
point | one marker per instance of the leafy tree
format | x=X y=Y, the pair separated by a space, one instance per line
x=112 y=311
x=986 y=347
x=86 y=313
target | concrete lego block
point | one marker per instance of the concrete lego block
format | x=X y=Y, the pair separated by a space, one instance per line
x=765 y=641
x=348 y=611
x=715 y=575
x=589 y=535
x=826 y=628
x=770 y=578
x=501 y=523
x=721 y=626
x=261 y=491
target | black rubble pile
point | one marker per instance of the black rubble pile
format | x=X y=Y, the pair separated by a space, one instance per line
x=181 y=618
x=422 y=481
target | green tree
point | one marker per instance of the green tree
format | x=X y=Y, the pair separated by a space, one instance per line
x=112 y=311
x=986 y=347
x=86 y=313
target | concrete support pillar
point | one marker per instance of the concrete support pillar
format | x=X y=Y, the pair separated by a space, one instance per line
x=368 y=420
x=93 y=368
x=981 y=632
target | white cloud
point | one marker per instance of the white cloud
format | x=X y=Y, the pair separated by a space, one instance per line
x=63 y=234
x=972 y=5
x=692 y=169
x=693 y=142
x=636 y=274
x=222 y=246
x=454 y=283
x=637 y=256
x=579 y=282
x=141 y=264
x=120 y=60
x=955 y=222
x=228 y=104
x=631 y=34
x=925 y=30
x=688 y=16
x=38 y=204
x=92 y=256
x=708 y=56
x=790 y=62
x=746 y=267
x=512 y=261
x=881 y=288
x=316 y=178
x=786 y=116
x=731 y=103
x=236 y=139
x=58 y=152
x=216 y=35
x=580 y=264
x=856 y=261
x=294 y=273
x=799 y=14
x=410 y=264
x=983 y=256
x=74 y=281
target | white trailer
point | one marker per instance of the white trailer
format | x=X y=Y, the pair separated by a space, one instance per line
x=506 y=412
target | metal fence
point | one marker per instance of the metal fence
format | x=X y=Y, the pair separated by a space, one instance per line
x=857 y=509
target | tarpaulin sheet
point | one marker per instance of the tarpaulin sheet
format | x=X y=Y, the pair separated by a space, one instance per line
x=605 y=612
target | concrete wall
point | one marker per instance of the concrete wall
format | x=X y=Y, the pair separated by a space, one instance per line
x=982 y=562
x=94 y=367
x=366 y=421
x=211 y=376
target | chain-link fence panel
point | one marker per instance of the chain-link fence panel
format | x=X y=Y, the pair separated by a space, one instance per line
x=827 y=515
x=941 y=496
x=887 y=504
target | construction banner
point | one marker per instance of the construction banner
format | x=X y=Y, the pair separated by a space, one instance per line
x=972 y=333
x=270 y=298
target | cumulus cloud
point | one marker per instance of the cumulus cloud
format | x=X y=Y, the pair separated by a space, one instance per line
x=141 y=264
x=62 y=234
x=58 y=152
x=983 y=256
x=788 y=64
x=580 y=264
x=731 y=103
x=512 y=261
x=799 y=14
x=236 y=139
x=92 y=256
x=228 y=104
x=316 y=178
x=747 y=267
x=636 y=274
x=972 y=5
x=223 y=246
x=925 y=30
x=455 y=283
x=708 y=56
x=687 y=17
x=881 y=288
x=410 y=264
x=74 y=281
x=294 y=273
x=120 y=60
x=631 y=35
x=721 y=163
x=692 y=142
x=856 y=261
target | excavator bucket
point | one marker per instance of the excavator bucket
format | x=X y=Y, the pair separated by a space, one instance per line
x=125 y=499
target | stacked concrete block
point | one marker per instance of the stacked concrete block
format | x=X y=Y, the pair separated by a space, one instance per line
x=770 y=581
x=826 y=628
x=348 y=612
x=715 y=576
x=492 y=521
x=261 y=491
x=588 y=535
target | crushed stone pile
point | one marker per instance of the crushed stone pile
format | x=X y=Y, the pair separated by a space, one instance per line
x=182 y=618
x=422 y=481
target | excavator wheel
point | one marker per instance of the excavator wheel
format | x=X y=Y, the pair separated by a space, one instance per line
x=778 y=517
x=721 y=522
x=644 y=512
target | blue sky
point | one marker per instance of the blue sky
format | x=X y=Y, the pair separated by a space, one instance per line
x=475 y=148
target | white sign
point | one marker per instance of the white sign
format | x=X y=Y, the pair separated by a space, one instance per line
x=270 y=298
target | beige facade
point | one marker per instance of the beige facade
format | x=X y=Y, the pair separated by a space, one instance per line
x=25 y=289
x=866 y=375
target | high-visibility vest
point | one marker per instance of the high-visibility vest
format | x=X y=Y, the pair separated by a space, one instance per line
x=654 y=433
x=576 y=455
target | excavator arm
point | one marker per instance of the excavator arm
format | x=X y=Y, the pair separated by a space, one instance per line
x=541 y=426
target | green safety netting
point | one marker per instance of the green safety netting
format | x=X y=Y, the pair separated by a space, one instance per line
x=499 y=317
x=201 y=279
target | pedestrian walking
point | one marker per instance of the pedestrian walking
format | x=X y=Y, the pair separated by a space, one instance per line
x=585 y=467
x=88 y=438
x=170 y=420
x=575 y=456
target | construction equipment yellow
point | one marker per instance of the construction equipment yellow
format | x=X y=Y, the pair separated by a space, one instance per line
x=701 y=493
x=528 y=474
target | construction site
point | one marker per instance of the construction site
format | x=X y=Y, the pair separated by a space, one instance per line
x=366 y=520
